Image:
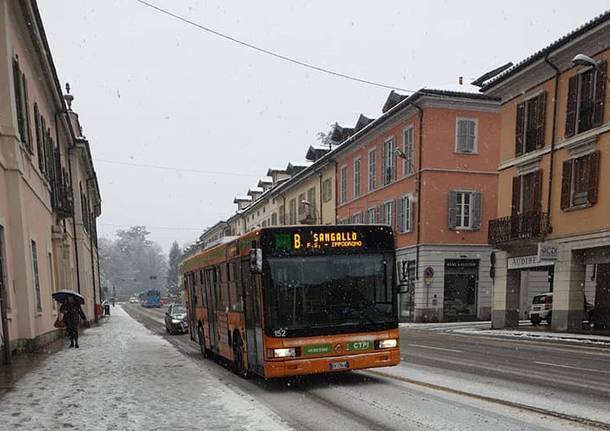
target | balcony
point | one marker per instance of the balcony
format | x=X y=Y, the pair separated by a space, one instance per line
x=523 y=227
x=63 y=204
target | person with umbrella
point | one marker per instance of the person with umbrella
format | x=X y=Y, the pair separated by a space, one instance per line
x=72 y=312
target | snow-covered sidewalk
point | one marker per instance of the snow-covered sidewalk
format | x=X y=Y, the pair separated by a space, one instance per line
x=126 y=378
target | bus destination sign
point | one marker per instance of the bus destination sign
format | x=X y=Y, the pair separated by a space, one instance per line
x=319 y=240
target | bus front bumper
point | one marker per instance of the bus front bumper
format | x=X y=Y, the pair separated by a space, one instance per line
x=329 y=364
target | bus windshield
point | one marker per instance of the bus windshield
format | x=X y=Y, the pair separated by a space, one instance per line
x=329 y=291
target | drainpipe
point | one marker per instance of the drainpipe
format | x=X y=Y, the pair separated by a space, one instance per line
x=57 y=113
x=284 y=212
x=320 y=197
x=91 y=252
x=418 y=188
x=548 y=227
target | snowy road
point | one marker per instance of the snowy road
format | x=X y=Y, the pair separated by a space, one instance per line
x=364 y=400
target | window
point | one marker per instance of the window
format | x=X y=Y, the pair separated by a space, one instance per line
x=586 y=94
x=311 y=196
x=3 y=276
x=344 y=184
x=372 y=169
x=527 y=193
x=464 y=210
x=282 y=215
x=264 y=223
x=580 y=181
x=274 y=219
x=389 y=162
x=343 y=221
x=51 y=279
x=387 y=212
x=404 y=214
x=371 y=216
x=408 y=164
x=357 y=178
x=302 y=206
x=529 y=128
x=466 y=135
x=327 y=190
x=357 y=218
x=36 y=275
x=22 y=103
x=292 y=212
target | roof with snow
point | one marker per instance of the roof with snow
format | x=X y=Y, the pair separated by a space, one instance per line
x=314 y=153
x=239 y=199
x=363 y=121
x=538 y=55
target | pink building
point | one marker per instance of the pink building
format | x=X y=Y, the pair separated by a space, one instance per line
x=428 y=167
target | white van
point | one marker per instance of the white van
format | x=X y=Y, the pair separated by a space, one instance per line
x=542 y=308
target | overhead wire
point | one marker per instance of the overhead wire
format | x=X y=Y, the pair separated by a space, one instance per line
x=176 y=169
x=271 y=53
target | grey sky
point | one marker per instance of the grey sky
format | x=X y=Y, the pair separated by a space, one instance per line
x=153 y=90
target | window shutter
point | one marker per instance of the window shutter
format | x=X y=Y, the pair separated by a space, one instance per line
x=18 y=100
x=379 y=217
x=401 y=211
x=452 y=207
x=566 y=182
x=409 y=226
x=516 y=204
x=572 y=106
x=537 y=195
x=600 y=95
x=519 y=129
x=477 y=199
x=394 y=159
x=593 y=179
x=540 y=119
x=26 y=110
x=461 y=136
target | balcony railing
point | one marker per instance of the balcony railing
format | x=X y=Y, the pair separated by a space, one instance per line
x=524 y=226
x=63 y=204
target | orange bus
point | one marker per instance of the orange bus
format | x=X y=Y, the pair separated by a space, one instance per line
x=287 y=301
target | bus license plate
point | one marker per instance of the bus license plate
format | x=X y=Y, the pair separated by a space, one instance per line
x=339 y=365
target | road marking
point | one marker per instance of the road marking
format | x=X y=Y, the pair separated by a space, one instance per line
x=571 y=367
x=436 y=348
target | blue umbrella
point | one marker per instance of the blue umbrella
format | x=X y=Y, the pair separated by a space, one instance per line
x=62 y=295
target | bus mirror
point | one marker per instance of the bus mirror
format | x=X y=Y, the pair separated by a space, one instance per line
x=256 y=260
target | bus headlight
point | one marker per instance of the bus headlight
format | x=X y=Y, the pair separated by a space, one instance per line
x=283 y=353
x=387 y=344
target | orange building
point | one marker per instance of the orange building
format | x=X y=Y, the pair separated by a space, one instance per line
x=427 y=167
x=553 y=230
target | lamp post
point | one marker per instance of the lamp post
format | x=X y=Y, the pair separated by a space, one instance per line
x=585 y=60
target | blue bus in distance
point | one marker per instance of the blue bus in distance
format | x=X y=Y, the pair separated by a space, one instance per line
x=151 y=298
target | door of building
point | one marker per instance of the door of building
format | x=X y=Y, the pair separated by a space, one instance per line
x=460 y=290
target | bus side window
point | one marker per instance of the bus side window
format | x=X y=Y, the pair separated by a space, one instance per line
x=224 y=288
x=193 y=279
x=200 y=289
x=215 y=280
x=234 y=287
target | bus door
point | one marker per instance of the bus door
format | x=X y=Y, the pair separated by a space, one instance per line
x=252 y=316
x=189 y=281
x=212 y=298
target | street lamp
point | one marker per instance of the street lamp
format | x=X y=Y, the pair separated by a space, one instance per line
x=400 y=153
x=585 y=60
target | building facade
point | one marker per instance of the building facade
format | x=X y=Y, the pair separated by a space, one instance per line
x=427 y=167
x=553 y=227
x=49 y=197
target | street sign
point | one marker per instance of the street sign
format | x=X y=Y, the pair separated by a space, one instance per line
x=547 y=251
x=428 y=272
x=532 y=261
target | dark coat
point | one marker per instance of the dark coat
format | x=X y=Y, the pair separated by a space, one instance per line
x=72 y=315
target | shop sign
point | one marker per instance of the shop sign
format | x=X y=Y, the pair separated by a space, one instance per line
x=547 y=251
x=532 y=261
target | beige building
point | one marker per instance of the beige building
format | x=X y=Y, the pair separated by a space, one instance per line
x=553 y=227
x=49 y=196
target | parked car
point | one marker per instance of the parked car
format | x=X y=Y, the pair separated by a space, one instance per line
x=175 y=319
x=542 y=308
x=133 y=300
